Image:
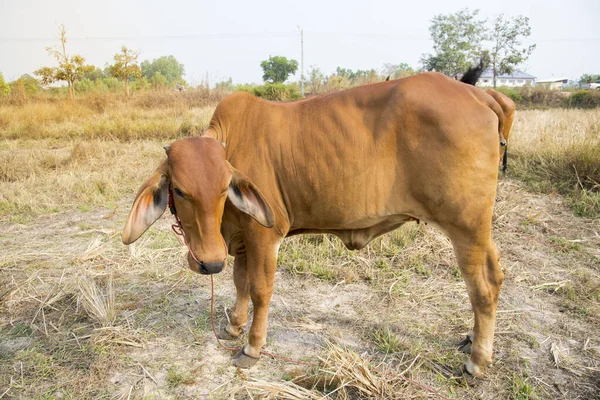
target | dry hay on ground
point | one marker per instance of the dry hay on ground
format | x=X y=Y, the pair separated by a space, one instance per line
x=397 y=306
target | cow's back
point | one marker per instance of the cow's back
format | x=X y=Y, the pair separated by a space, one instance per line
x=354 y=159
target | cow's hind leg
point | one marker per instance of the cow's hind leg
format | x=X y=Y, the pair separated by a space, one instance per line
x=478 y=263
x=239 y=316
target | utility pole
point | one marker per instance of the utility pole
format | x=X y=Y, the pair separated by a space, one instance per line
x=301 y=59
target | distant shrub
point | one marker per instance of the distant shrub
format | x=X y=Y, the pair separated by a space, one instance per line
x=512 y=93
x=85 y=85
x=4 y=87
x=225 y=86
x=272 y=91
x=158 y=81
x=540 y=97
x=140 y=84
x=583 y=99
x=193 y=97
x=26 y=85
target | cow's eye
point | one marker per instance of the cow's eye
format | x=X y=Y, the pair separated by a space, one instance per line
x=178 y=192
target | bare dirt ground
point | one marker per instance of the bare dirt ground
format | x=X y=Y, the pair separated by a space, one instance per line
x=399 y=305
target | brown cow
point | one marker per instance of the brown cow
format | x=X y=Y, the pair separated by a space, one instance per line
x=356 y=164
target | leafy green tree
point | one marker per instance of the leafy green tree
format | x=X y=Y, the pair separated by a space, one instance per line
x=94 y=75
x=278 y=68
x=316 y=79
x=4 y=87
x=26 y=85
x=507 y=51
x=589 y=78
x=140 y=84
x=397 y=71
x=69 y=69
x=366 y=75
x=360 y=76
x=158 y=81
x=457 y=42
x=126 y=67
x=344 y=72
x=86 y=85
x=225 y=86
x=171 y=71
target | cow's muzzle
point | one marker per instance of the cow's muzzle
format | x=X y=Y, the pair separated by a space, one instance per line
x=210 y=268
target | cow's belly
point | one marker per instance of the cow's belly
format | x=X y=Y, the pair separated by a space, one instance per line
x=358 y=202
x=357 y=238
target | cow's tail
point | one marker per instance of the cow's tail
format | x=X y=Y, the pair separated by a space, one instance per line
x=504 y=108
x=473 y=74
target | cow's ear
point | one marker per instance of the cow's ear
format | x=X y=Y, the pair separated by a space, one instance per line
x=247 y=198
x=149 y=204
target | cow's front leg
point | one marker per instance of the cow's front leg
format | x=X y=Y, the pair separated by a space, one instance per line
x=261 y=264
x=239 y=316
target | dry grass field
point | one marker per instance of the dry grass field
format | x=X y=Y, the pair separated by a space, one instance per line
x=83 y=316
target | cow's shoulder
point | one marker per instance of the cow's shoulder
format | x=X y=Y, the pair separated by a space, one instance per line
x=236 y=99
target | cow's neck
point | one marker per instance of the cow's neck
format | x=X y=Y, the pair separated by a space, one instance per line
x=216 y=133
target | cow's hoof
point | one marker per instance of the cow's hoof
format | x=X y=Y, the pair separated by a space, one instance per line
x=243 y=360
x=224 y=335
x=465 y=344
x=464 y=376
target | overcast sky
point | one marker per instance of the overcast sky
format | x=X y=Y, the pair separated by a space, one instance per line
x=229 y=38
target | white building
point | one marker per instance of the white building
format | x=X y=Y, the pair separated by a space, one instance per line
x=552 y=83
x=516 y=79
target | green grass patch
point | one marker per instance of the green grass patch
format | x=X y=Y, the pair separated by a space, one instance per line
x=175 y=378
x=386 y=341
x=565 y=246
x=521 y=388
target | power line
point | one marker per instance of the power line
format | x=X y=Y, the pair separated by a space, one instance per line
x=208 y=36
x=225 y=36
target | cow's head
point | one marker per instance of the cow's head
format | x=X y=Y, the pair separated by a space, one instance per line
x=201 y=181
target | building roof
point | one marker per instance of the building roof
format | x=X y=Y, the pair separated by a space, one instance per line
x=517 y=74
x=551 y=80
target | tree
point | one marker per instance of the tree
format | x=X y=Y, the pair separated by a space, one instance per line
x=397 y=71
x=94 y=75
x=589 y=78
x=158 y=80
x=171 y=71
x=316 y=79
x=507 y=52
x=225 y=86
x=25 y=85
x=277 y=69
x=358 y=77
x=69 y=69
x=457 y=42
x=126 y=67
x=4 y=87
x=345 y=73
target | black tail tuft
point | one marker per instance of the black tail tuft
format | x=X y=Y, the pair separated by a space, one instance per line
x=472 y=75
